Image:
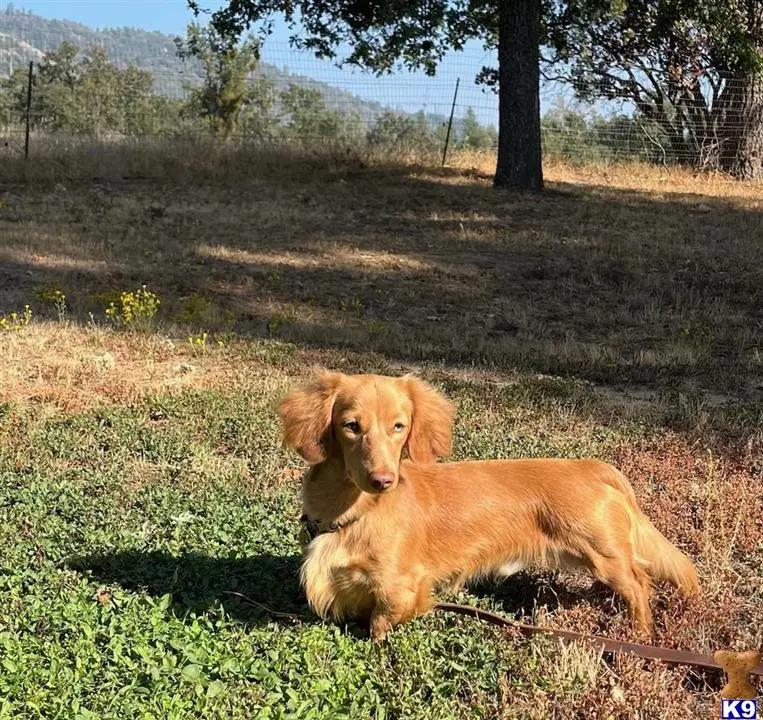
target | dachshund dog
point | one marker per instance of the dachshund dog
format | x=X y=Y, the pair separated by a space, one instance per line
x=386 y=524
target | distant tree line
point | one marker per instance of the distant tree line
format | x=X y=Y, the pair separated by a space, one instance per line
x=83 y=93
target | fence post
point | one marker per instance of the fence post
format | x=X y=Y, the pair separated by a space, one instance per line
x=28 y=109
x=450 y=123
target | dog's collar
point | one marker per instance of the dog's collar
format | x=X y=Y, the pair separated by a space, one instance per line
x=313 y=528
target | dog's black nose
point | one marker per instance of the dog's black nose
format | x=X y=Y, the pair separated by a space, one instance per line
x=381 y=481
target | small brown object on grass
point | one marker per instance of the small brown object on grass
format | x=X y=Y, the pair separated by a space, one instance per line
x=738 y=667
x=103 y=596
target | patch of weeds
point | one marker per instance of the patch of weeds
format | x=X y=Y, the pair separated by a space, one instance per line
x=274 y=353
x=134 y=309
x=279 y=321
x=228 y=317
x=697 y=332
x=200 y=311
x=684 y=410
x=136 y=526
x=550 y=387
x=135 y=598
x=195 y=309
x=375 y=327
x=103 y=362
x=135 y=586
x=352 y=306
x=199 y=344
x=15 y=322
x=52 y=295
x=49 y=294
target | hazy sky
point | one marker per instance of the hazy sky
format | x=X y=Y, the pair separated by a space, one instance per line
x=167 y=16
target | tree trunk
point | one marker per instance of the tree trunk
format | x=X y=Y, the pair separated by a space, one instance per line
x=519 y=164
x=741 y=127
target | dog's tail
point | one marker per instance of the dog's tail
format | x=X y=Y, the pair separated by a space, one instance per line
x=658 y=557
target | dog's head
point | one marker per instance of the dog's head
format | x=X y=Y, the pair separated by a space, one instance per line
x=371 y=422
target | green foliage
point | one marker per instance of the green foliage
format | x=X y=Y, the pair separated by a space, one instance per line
x=258 y=120
x=223 y=94
x=199 y=311
x=690 y=68
x=126 y=535
x=718 y=36
x=377 y=35
x=26 y=34
x=134 y=309
x=198 y=343
x=14 y=321
x=195 y=308
x=385 y=36
x=402 y=132
x=83 y=93
x=570 y=135
x=75 y=92
x=49 y=295
x=52 y=295
x=306 y=117
x=475 y=136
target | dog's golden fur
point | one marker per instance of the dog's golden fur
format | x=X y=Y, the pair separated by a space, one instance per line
x=408 y=523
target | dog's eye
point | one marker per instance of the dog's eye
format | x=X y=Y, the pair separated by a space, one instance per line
x=352 y=426
x=399 y=427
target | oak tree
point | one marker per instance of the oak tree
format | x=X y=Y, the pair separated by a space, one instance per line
x=384 y=35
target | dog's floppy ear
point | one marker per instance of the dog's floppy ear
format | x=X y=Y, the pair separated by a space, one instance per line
x=430 y=436
x=306 y=415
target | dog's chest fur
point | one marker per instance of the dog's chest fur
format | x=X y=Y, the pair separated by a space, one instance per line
x=337 y=578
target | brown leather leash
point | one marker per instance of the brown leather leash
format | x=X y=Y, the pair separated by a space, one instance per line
x=608 y=645
x=647 y=652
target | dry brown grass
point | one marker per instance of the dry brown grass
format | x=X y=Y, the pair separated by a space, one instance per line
x=629 y=175
x=687 y=495
x=75 y=368
x=643 y=286
x=629 y=280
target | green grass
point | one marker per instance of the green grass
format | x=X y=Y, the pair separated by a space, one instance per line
x=168 y=640
x=149 y=556
x=149 y=515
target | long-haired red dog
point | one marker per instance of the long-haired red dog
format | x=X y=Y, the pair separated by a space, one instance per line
x=384 y=530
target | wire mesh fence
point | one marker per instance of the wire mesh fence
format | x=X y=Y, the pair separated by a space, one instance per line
x=61 y=83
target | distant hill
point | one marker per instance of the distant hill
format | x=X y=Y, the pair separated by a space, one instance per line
x=25 y=36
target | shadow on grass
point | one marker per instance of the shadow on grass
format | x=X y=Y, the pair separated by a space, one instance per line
x=615 y=287
x=521 y=595
x=256 y=590
x=262 y=589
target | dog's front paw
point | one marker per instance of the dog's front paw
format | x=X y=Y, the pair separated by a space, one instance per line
x=380 y=627
x=643 y=634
